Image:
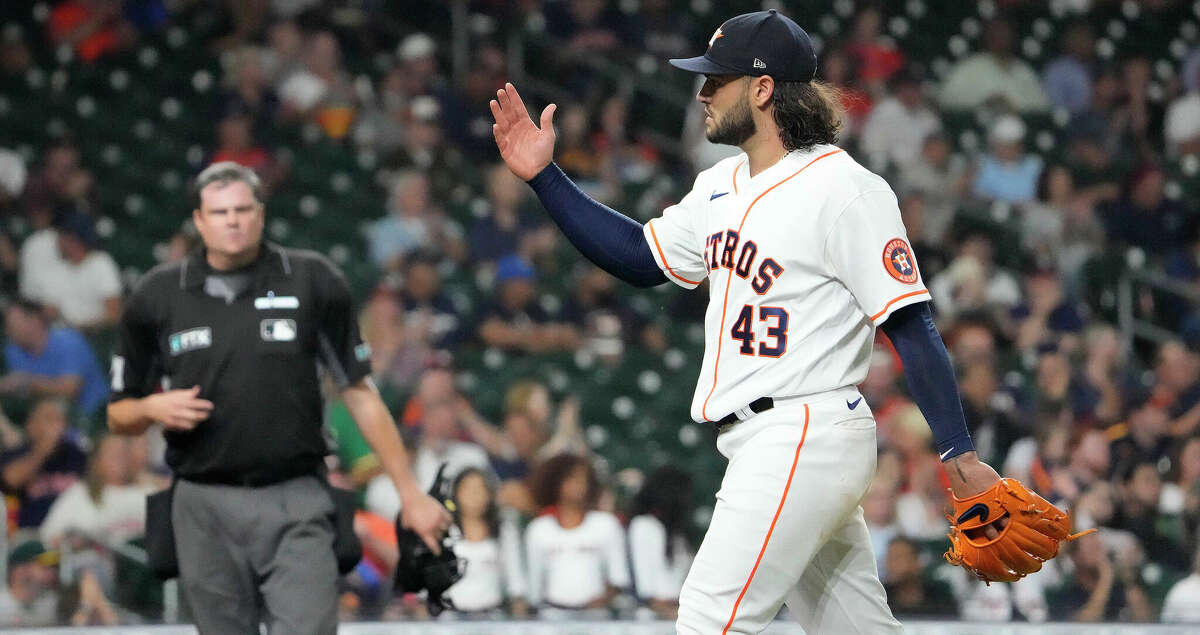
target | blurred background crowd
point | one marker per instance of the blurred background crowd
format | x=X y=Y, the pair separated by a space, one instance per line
x=1047 y=160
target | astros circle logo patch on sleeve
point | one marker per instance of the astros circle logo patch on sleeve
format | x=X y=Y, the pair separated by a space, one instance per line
x=899 y=262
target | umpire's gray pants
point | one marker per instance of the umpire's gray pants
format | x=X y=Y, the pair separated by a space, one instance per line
x=251 y=555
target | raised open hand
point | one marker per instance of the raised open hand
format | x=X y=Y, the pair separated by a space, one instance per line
x=525 y=147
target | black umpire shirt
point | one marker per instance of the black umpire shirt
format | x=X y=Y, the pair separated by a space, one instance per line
x=253 y=340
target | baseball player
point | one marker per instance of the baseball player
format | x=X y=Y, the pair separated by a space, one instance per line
x=805 y=255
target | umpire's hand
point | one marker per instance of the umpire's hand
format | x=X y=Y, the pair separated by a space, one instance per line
x=427 y=517
x=178 y=410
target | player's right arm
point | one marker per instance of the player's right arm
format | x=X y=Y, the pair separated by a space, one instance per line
x=611 y=240
x=131 y=407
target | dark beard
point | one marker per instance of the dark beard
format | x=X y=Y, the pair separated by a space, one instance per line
x=735 y=127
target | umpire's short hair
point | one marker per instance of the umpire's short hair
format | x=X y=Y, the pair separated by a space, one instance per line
x=226 y=172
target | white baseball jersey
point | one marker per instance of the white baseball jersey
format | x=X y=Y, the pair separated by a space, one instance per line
x=494 y=571
x=654 y=577
x=803 y=261
x=571 y=567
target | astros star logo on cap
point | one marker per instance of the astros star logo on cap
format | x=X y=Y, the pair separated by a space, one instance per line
x=716 y=36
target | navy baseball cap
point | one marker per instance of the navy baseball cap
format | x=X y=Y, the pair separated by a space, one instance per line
x=72 y=221
x=759 y=43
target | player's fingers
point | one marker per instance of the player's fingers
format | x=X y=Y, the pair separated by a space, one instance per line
x=519 y=109
x=547 y=122
x=505 y=104
x=496 y=113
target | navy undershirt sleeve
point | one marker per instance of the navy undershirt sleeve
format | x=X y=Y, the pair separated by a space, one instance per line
x=611 y=240
x=930 y=377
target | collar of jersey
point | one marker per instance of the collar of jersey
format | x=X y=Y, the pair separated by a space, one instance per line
x=789 y=159
x=269 y=264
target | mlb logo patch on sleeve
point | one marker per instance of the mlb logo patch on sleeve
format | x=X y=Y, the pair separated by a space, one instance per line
x=899 y=261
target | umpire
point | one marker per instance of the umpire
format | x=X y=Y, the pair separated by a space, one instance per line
x=235 y=335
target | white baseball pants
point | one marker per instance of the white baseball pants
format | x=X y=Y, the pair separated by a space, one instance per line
x=787 y=527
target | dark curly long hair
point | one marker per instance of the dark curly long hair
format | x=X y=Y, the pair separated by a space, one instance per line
x=549 y=477
x=807 y=113
x=667 y=496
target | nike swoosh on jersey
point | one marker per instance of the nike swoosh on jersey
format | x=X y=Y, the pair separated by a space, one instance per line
x=853 y=404
x=716 y=196
x=978 y=509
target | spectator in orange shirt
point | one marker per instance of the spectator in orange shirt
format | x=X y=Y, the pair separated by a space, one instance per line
x=839 y=68
x=875 y=53
x=92 y=27
x=235 y=142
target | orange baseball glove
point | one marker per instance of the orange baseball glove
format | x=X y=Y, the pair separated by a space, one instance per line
x=1030 y=537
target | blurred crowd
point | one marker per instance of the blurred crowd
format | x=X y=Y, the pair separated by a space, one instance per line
x=1031 y=182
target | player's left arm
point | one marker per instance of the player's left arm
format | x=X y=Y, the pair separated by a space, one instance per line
x=1000 y=531
x=930 y=377
x=891 y=293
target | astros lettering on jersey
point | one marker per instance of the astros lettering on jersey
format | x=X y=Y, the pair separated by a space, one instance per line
x=803 y=260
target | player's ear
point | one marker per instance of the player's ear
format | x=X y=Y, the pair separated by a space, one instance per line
x=761 y=89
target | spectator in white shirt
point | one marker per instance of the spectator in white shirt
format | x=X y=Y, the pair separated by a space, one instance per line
x=973 y=281
x=439 y=445
x=897 y=127
x=942 y=177
x=107 y=505
x=63 y=268
x=658 y=545
x=98 y=513
x=1181 y=128
x=576 y=553
x=491 y=548
x=1183 y=600
x=994 y=77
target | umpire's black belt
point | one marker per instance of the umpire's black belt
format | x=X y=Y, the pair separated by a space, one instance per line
x=758 y=406
x=256 y=478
